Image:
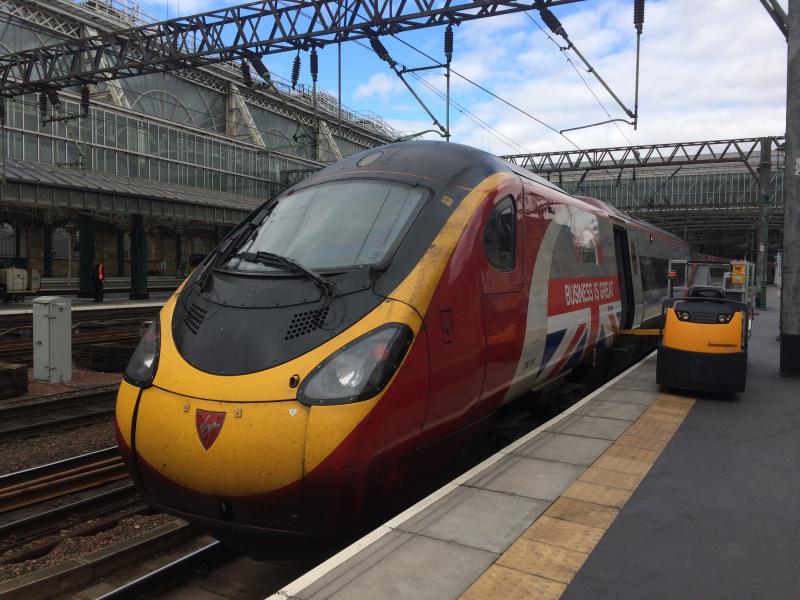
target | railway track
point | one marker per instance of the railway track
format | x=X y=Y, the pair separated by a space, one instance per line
x=120 y=325
x=57 y=410
x=172 y=574
x=18 y=322
x=31 y=486
x=35 y=535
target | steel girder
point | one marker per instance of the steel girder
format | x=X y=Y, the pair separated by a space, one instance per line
x=743 y=150
x=31 y=12
x=264 y=27
x=290 y=106
x=216 y=78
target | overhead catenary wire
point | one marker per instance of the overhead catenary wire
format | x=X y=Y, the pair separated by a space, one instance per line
x=583 y=79
x=297 y=61
x=557 y=28
x=482 y=88
x=468 y=80
x=492 y=131
x=526 y=113
x=382 y=49
x=473 y=117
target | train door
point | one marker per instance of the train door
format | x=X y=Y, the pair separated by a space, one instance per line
x=503 y=303
x=622 y=252
x=636 y=277
x=456 y=343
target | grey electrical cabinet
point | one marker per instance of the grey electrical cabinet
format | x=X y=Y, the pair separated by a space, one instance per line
x=52 y=339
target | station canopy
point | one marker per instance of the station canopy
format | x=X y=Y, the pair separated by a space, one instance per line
x=38 y=185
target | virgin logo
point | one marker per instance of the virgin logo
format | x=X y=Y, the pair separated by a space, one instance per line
x=208 y=425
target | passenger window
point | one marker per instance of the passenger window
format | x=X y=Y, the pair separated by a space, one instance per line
x=499 y=236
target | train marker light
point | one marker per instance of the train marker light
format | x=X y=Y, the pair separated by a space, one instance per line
x=359 y=370
x=141 y=369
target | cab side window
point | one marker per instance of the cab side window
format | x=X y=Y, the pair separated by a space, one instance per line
x=499 y=235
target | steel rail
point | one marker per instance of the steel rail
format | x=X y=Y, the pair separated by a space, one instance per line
x=23 y=530
x=173 y=573
x=44 y=414
x=59 y=478
x=21 y=352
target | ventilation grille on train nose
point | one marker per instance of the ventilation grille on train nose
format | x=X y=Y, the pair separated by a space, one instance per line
x=194 y=317
x=305 y=322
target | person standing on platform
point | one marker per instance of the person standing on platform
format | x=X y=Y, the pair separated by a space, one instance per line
x=98 y=278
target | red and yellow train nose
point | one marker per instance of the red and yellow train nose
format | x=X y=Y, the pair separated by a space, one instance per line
x=252 y=449
x=219 y=460
x=243 y=462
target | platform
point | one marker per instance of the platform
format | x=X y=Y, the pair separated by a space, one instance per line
x=634 y=492
x=111 y=302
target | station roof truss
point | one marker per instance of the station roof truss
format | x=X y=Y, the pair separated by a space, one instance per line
x=228 y=34
x=744 y=151
x=706 y=192
x=70 y=20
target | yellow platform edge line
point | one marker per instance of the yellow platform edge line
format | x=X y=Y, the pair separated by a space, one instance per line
x=543 y=561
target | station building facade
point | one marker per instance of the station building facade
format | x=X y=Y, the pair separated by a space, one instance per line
x=161 y=166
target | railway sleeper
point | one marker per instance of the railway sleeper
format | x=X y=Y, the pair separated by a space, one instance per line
x=46 y=546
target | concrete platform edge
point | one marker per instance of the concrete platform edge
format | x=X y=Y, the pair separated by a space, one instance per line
x=293 y=589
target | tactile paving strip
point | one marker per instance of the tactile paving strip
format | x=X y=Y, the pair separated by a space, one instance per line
x=546 y=557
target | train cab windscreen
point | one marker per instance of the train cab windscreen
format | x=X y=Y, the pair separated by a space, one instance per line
x=335 y=225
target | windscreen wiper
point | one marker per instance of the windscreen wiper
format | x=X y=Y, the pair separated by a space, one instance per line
x=329 y=287
x=222 y=255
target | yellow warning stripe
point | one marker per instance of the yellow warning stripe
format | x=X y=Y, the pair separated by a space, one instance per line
x=546 y=557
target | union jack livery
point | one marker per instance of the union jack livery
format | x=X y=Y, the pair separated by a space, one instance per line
x=364 y=327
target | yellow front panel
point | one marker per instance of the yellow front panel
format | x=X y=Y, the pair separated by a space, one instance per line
x=177 y=375
x=257 y=451
x=716 y=338
x=126 y=401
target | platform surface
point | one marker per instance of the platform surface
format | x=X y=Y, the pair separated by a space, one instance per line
x=718 y=516
x=634 y=492
x=110 y=302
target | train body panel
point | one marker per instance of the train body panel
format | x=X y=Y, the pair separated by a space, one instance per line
x=471 y=283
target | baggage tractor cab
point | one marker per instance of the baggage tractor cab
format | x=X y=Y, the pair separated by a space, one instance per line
x=703 y=343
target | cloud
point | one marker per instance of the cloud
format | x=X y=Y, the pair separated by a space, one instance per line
x=167 y=9
x=380 y=84
x=710 y=70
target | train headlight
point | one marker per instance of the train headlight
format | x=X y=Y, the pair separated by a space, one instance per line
x=143 y=364
x=359 y=370
x=724 y=318
x=684 y=315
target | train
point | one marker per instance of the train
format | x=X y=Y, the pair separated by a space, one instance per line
x=366 y=324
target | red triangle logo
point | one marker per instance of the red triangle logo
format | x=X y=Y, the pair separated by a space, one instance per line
x=208 y=425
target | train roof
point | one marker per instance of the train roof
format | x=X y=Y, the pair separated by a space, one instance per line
x=446 y=162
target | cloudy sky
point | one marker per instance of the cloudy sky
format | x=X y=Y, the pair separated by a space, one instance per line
x=710 y=69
